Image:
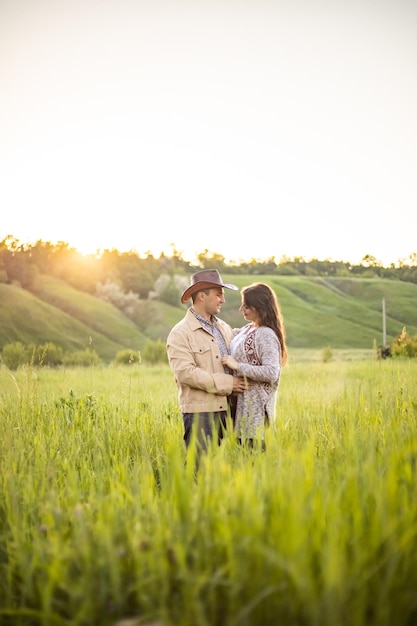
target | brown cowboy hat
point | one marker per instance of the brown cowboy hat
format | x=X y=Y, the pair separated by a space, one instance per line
x=206 y=279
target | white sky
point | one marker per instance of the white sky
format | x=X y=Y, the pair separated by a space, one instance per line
x=251 y=129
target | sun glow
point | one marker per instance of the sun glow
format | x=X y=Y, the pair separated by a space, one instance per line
x=135 y=137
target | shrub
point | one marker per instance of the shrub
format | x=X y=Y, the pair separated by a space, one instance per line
x=127 y=357
x=327 y=354
x=45 y=354
x=14 y=354
x=168 y=289
x=404 y=345
x=73 y=406
x=155 y=352
x=383 y=352
x=82 y=358
x=142 y=313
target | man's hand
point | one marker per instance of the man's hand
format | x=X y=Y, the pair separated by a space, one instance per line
x=240 y=384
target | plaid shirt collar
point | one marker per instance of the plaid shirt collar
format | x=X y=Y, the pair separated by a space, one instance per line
x=207 y=324
x=213 y=329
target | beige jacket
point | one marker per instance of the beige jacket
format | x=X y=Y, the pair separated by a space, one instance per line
x=195 y=359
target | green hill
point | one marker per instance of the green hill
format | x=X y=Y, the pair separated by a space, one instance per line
x=69 y=318
x=344 y=313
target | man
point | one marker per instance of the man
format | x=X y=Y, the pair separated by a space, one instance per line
x=195 y=348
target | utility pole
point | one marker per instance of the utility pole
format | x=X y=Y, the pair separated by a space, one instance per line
x=384 y=325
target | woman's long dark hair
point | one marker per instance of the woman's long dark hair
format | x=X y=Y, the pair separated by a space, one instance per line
x=263 y=299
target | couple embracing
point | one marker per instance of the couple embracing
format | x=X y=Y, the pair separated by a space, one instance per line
x=221 y=372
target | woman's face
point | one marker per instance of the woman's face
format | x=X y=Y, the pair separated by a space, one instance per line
x=249 y=313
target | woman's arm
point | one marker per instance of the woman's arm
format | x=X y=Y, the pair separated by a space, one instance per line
x=269 y=354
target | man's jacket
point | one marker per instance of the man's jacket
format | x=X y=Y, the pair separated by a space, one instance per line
x=195 y=359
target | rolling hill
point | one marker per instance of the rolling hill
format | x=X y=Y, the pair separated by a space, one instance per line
x=344 y=313
x=66 y=317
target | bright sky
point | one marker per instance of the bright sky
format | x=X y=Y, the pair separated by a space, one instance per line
x=249 y=128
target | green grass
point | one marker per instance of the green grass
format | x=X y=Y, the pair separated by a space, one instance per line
x=102 y=519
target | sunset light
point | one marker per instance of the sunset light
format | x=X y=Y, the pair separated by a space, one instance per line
x=254 y=130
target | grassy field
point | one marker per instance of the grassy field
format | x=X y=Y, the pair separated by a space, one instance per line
x=102 y=521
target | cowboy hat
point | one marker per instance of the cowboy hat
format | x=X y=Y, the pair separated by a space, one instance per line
x=206 y=279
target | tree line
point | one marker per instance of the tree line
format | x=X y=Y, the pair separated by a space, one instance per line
x=23 y=263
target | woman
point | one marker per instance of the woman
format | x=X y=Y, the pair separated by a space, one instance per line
x=258 y=352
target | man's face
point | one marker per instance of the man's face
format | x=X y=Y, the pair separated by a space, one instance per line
x=213 y=300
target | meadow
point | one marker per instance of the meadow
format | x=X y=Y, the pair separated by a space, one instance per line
x=103 y=521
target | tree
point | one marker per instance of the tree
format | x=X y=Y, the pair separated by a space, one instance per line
x=370 y=261
x=404 y=345
x=211 y=260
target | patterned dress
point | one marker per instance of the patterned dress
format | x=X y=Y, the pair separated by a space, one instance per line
x=258 y=353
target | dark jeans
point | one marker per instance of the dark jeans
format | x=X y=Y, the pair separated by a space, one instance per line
x=205 y=425
x=252 y=444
